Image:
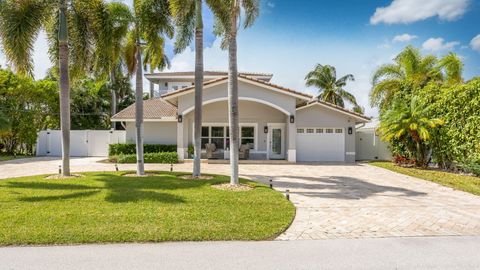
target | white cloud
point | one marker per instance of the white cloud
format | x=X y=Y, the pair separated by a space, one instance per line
x=409 y=11
x=439 y=44
x=404 y=38
x=475 y=43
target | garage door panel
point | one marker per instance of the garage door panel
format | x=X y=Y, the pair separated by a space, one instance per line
x=321 y=146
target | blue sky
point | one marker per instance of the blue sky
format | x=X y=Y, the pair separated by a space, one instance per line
x=355 y=36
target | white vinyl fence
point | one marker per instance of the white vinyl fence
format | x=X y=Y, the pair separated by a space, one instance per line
x=83 y=143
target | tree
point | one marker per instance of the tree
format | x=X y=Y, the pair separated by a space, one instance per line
x=189 y=23
x=331 y=89
x=151 y=22
x=4 y=122
x=112 y=21
x=20 y=23
x=413 y=69
x=227 y=15
x=409 y=124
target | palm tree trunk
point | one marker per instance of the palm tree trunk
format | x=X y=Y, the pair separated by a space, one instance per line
x=198 y=88
x=64 y=88
x=233 y=96
x=139 y=111
x=113 y=104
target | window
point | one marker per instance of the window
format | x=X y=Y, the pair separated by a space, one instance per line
x=319 y=130
x=220 y=136
x=175 y=87
x=248 y=136
x=310 y=130
x=339 y=130
x=300 y=130
x=205 y=136
x=329 y=130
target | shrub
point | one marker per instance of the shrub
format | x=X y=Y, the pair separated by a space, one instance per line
x=471 y=165
x=161 y=157
x=130 y=148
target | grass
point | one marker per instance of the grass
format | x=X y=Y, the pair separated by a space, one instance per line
x=9 y=157
x=107 y=207
x=465 y=183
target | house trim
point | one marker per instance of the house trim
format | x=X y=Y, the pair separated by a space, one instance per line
x=239 y=98
x=343 y=111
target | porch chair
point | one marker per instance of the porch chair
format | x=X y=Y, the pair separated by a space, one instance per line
x=212 y=151
x=244 y=151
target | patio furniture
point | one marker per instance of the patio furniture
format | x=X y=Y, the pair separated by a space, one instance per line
x=212 y=151
x=244 y=151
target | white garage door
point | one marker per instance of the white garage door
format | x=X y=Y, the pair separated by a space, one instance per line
x=320 y=144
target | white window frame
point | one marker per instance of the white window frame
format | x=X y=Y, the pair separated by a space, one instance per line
x=225 y=125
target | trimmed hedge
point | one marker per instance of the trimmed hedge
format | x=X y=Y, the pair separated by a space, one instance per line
x=130 y=148
x=163 y=157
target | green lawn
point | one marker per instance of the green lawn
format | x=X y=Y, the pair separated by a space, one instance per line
x=107 y=207
x=457 y=181
x=6 y=157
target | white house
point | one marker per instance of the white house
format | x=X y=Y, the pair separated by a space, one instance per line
x=276 y=122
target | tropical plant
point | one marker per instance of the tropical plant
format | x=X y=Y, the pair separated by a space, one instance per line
x=413 y=69
x=111 y=25
x=409 y=124
x=331 y=89
x=227 y=15
x=151 y=22
x=28 y=106
x=189 y=23
x=20 y=24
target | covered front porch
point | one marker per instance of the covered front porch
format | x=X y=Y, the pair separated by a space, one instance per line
x=266 y=132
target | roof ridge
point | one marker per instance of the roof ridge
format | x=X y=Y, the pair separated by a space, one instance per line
x=337 y=107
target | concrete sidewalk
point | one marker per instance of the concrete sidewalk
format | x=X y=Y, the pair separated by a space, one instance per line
x=380 y=253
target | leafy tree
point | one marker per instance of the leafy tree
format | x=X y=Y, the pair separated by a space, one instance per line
x=29 y=107
x=151 y=22
x=4 y=122
x=227 y=15
x=331 y=89
x=409 y=123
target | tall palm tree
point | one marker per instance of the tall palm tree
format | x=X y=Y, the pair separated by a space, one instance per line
x=331 y=89
x=411 y=68
x=189 y=24
x=227 y=14
x=410 y=124
x=110 y=28
x=68 y=28
x=151 y=22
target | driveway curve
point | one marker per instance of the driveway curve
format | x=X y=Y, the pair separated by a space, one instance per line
x=332 y=200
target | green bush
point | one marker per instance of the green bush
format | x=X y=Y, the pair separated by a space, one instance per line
x=471 y=165
x=130 y=148
x=162 y=157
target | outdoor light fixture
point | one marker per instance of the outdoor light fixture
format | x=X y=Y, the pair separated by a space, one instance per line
x=180 y=118
x=265 y=129
x=350 y=130
x=292 y=119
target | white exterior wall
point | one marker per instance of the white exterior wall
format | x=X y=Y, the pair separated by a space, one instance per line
x=277 y=109
x=370 y=147
x=154 y=132
x=82 y=142
x=317 y=116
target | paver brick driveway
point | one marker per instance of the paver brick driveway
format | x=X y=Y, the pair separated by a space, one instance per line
x=333 y=201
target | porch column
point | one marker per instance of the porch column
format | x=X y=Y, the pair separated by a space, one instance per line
x=180 y=143
x=292 y=140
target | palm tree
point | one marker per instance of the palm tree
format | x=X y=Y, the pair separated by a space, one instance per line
x=189 y=23
x=110 y=29
x=412 y=69
x=227 y=14
x=324 y=77
x=20 y=24
x=409 y=124
x=151 y=22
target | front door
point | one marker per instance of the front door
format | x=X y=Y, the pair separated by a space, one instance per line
x=276 y=145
